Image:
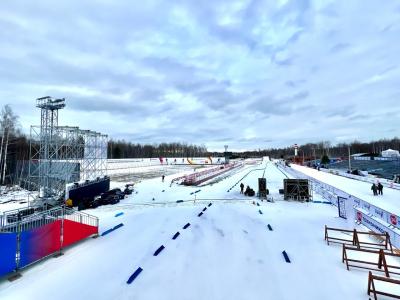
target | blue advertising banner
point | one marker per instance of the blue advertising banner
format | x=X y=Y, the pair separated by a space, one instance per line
x=8 y=249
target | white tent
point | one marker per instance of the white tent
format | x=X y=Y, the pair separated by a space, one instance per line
x=390 y=153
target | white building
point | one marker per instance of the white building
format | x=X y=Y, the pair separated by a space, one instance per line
x=390 y=153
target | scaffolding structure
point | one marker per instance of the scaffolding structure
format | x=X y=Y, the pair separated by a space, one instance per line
x=63 y=154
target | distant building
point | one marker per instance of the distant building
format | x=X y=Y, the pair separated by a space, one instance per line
x=390 y=153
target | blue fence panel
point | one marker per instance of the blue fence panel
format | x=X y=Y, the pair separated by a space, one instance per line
x=8 y=249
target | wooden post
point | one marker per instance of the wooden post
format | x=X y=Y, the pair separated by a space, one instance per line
x=326 y=234
x=371 y=285
x=389 y=242
x=356 y=241
x=342 y=253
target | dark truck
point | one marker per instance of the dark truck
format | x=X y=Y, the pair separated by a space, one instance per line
x=111 y=197
x=84 y=195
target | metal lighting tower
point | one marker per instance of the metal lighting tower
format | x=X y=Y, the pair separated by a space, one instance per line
x=49 y=108
x=226 y=154
x=62 y=154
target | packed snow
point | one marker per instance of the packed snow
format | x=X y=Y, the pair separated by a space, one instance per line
x=389 y=201
x=227 y=253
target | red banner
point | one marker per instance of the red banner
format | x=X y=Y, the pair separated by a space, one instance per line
x=75 y=232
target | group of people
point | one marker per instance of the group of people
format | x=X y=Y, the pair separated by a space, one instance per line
x=377 y=189
x=248 y=191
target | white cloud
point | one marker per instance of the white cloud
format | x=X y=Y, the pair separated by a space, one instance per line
x=249 y=74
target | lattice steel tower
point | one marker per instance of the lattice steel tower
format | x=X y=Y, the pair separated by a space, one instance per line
x=48 y=151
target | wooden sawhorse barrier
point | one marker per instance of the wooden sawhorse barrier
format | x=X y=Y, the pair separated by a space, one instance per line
x=354 y=238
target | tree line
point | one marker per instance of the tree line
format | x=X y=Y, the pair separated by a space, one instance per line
x=122 y=149
x=317 y=150
x=14 y=149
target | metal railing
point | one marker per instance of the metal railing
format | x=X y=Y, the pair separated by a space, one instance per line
x=43 y=217
x=80 y=217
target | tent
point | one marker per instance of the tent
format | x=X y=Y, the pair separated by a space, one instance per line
x=390 y=153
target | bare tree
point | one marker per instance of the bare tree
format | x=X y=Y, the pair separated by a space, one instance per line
x=9 y=128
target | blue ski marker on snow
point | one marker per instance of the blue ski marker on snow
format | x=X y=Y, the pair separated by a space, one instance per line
x=106 y=232
x=270 y=227
x=186 y=226
x=258 y=204
x=200 y=214
x=176 y=235
x=134 y=275
x=260 y=212
x=322 y=202
x=209 y=204
x=179 y=201
x=118 y=226
x=112 y=229
x=286 y=256
x=205 y=208
x=119 y=214
x=158 y=251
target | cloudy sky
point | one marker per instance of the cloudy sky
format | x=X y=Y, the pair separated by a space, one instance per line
x=249 y=74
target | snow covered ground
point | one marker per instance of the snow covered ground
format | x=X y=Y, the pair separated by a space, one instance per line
x=227 y=253
x=14 y=198
x=389 y=201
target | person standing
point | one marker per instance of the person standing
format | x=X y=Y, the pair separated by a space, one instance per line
x=374 y=189
x=241 y=188
x=380 y=188
x=162 y=178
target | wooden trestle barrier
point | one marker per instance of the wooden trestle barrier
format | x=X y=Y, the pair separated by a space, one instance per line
x=383 y=250
x=355 y=239
x=380 y=265
x=371 y=286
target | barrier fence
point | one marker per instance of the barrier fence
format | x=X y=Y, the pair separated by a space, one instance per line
x=40 y=235
x=371 y=216
x=200 y=177
x=385 y=182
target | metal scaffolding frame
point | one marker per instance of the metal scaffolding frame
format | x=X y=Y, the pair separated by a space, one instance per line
x=63 y=154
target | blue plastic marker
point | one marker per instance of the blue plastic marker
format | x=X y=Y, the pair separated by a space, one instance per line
x=286 y=256
x=118 y=226
x=112 y=229
x=176 y=235
x=186 y=226
x=158 y=251
x=119 y=214
x=134 y=275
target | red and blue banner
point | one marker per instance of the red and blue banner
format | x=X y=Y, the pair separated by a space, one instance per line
x=39 y=242
x=8 y=250
x=74 y=232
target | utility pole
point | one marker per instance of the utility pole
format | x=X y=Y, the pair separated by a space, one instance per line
x=349 y=159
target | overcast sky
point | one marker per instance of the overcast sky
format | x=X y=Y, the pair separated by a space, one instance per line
x=249 y=74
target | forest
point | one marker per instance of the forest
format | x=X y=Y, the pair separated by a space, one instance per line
x=14 y=148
